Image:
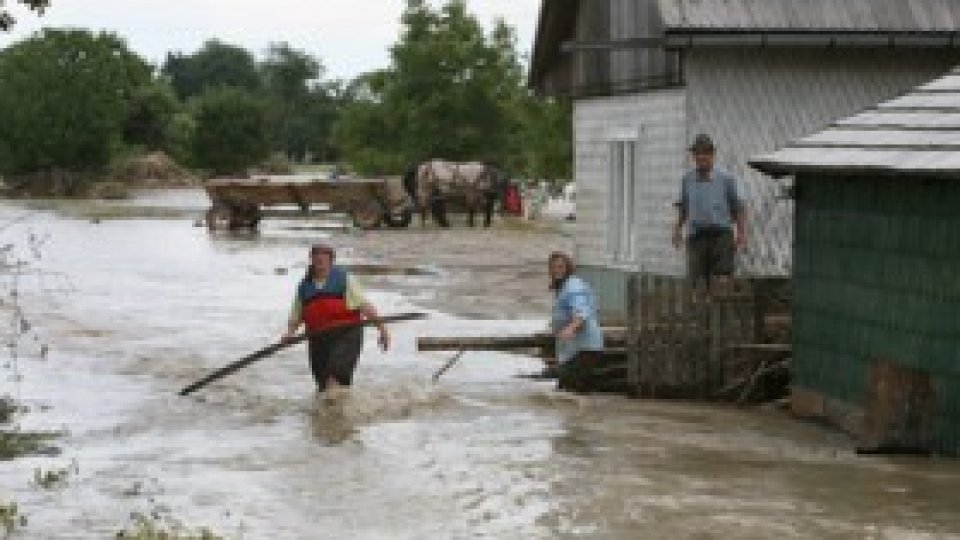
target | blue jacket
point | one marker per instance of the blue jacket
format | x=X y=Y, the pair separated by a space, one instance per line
x=576 y=299
x=712 y=203
x=335 y=286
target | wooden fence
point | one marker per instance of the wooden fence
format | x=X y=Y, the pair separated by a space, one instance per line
x=682 y=338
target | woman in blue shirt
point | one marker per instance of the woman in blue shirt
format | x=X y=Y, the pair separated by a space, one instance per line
x=575 y=324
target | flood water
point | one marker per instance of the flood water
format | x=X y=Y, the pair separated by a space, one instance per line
x=137 y=302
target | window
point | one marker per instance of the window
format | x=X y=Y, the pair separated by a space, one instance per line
x=621 y=200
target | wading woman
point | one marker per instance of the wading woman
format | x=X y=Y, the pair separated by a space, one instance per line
x=326 y=298
x=574 y=323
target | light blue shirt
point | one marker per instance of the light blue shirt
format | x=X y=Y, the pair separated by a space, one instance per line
x=712 y=203
x=575 y=299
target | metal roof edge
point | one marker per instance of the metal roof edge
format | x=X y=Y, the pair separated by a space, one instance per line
x=780 y=37
x=776 y=169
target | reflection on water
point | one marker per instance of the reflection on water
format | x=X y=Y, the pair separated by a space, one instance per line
x=155 y=303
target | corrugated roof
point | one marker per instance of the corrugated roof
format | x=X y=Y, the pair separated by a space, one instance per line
x=811 y=15
x=915 y=133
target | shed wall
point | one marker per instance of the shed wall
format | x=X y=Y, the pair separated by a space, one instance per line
x=877 y=276
x=756 y=100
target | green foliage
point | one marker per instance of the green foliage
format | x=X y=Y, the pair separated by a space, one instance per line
x=301 y=109
x=180 y=132
x=150 y=122
x=287 y=72
x=543 y=146
x=6 y=19
x=216 y=64
x=455 y=92
x=56 y=478
x=150 y=528
x=231 y=131
x=8 y=409
x=72 y=101
x=66 y=96
x=365 y=132
x=443 y=94
x=10 y=518
x=16 y=443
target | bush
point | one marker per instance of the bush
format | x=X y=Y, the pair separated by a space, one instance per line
x=150 y=168
x=66 y=96
x=231 y=131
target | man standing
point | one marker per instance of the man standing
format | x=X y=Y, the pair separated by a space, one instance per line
x=711 y=207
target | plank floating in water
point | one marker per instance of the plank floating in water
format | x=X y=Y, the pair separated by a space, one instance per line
x=614 y=338
x=477 y=343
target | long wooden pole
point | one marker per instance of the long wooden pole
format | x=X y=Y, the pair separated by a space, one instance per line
x=276 y=347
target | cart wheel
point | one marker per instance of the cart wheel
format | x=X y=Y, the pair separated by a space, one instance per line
x=219 y=217
x=399 y=219
x=367 y=214
x=246 y=216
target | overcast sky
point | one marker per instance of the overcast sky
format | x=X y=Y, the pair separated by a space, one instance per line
x=350 y=36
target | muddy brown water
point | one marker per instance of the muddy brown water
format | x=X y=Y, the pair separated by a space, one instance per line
x=142 y=303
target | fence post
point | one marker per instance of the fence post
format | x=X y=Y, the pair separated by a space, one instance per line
x=633 y=333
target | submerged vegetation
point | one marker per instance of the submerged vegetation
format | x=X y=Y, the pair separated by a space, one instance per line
x=10 y=518
x=153 y=528
x=55 y=478
x=15 y=443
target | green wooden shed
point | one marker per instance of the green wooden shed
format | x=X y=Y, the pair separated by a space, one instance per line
x=877 y=270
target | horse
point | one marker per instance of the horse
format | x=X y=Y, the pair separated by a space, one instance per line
x=431 y=184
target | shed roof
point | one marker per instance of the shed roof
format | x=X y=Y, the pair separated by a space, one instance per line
x=758 y=23
x=556 y=25
x=811 y=15
x=917 y=133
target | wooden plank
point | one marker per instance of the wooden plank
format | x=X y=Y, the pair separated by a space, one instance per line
x=900 y=410
x=696 y=335
x=649 y=338
x=633 y=332
x=807 y=403
x=771 y=348
x=483 y=343
x=658 y=365
x=646 y=338
x=671 y=360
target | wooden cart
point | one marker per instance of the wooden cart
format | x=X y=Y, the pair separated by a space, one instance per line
x=243 y=203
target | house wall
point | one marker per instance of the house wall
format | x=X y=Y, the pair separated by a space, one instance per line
x=756 y=100
x=658 y=118
x=877 y=277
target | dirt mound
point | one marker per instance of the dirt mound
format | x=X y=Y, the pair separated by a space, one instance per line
x=277 y=163
x=152 y=169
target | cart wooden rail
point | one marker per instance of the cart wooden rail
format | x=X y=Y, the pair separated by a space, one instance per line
x=243 y=203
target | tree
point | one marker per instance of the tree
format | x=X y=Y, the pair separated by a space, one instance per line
x=447 y=93
x=216 y=64
x=150 y=121
x=364 y=132
x=302 y=110
x=544 y=143
x=65 y=96
x=288 y=72
x=6 y=19
x=231 y=131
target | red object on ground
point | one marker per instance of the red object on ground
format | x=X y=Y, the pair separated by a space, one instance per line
x=512 y=201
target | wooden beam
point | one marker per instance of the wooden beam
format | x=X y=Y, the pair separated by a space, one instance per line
x=484 y=343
